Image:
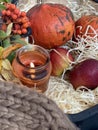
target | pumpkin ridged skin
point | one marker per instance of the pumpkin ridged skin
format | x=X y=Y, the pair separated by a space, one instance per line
x=84 y=21
x=52 y=24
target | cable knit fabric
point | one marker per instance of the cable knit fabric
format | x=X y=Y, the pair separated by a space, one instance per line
x=24 y=109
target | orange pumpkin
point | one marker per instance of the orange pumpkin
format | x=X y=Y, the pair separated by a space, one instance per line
x=52 y=24
x=86 y=26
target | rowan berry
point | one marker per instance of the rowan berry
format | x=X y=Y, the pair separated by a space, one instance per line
x=3 y=12
x=24 y=19
x=12 y=6
x=7 y=5
x=17 y=26
x=19 y=32
x=8 y=12
x=14 y=16
x=25 y=25
x=24 y=31
x=17 y=11
x=23 y=13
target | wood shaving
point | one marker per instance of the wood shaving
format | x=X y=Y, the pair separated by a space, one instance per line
x=25 y=5
x=68 y=99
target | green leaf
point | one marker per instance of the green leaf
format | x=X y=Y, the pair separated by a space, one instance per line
x=2 y=7
x=1 y=43
x=6 y=43
x=9 y=29
x=14 y=37
x=8 y=1
x=19 y=41
x=11 y=56
x=2 y=1
x=2 y=35
x=5 y=1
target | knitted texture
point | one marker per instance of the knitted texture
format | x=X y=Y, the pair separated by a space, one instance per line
x=24 y=109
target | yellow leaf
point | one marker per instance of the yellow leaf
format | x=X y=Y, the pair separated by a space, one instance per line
x=1 y=52
x=0 y=65
x=6 y=64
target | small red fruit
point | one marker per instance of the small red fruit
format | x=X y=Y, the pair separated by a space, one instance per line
x=60 y=60
x=24 y=31
x=23 y=14
x=12 y=6
x=14 y=16
x=85 y=74
x=3 y=12
x=8 y=12
x=17 y=11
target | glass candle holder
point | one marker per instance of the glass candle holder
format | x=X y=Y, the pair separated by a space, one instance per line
x=33 y=67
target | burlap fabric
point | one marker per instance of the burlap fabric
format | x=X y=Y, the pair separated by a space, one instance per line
x=24 y=109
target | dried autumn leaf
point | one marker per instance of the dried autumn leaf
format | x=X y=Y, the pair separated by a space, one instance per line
x=7 y=73
x=8 y=76
x=1 y=53
x=9 y=49
x=1 y=78
x=0 y=65
x=6 y=64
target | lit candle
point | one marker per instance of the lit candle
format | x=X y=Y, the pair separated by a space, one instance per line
x=33 y=67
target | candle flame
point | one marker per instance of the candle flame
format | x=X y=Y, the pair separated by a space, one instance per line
x=32 y=65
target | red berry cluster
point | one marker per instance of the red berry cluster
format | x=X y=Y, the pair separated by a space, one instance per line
x=19 y=19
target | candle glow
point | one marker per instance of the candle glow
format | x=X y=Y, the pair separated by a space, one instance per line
x=32 y=67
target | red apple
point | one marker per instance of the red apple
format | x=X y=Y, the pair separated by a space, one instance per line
x=60 y=59
x=85 y=74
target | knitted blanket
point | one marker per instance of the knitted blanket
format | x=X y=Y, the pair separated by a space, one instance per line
x=24 y=109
